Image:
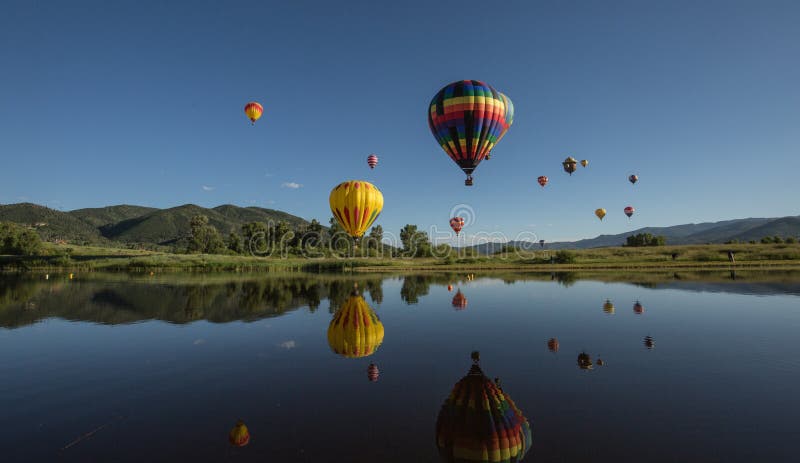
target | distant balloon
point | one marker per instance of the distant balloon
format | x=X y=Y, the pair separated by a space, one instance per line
x=608 y=307
x=638 y=308
x=633 y=178
x=570 y=165
x=585 y=361
x=629 y=211
x=355 y=331
x=239 y=435
x=584 y=162
x=649 y=342
x=373 y=372
x=356 y=204
x=541 y=243
x=372 y=161
x=468 y=118
x=253 y=111
x=457 y=223
x=552 y=345
x=542 y=180
x=600 y=213
x=459 y=300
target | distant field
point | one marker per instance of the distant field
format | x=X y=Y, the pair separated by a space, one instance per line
x=689 y=256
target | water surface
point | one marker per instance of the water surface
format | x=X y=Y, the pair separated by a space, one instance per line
x=160 y=368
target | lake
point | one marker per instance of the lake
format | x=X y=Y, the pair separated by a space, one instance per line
x=604 y=367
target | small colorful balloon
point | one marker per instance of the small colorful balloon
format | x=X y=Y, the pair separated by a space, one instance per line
x=372 y=161
x=373 y=372
x=239 y=435
x=542 y=180
x=629 y=211
x=633 y=178
x=600 y=213
x=457 y=223
x=253 y=111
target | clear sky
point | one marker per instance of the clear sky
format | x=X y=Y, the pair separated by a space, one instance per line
x=140 y=102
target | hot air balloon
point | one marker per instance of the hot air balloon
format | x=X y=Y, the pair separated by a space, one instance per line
x=638 y=308
x=239 y=435
x=584 y=162
x=585 y=361
x=479 y=422
x=372 y=372
x=459 y=300
x=600 y=213
x=372 y=161
x=541 y=243
x=608 y=307
x=570 y=165
x=649 y=342
x=457 y=223
x=629 y=211
x=468 y=118
x=542 y=180
x=633 y=178
x=253 y=111
x=552 y=345
x=356 y=204
x=355 y=331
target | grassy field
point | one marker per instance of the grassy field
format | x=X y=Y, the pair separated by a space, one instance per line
x=88 y=258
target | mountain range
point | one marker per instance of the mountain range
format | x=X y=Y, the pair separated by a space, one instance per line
x=139 y=224
x=135 y=224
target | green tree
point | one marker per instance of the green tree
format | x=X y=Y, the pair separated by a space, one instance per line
x=564 y=257
x=645 y=239
x=791 y=240
x=766 y=240
x=235 y=243
x=375 y=237
x=777 y=239
x=415 y=242
x=204 y=238
x=19 y=241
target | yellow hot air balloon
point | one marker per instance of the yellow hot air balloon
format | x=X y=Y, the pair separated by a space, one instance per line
x=356 y=204
x=584 y=162
x=355 y=331
x=600 y=213
x=253 y=111
x=239 y=435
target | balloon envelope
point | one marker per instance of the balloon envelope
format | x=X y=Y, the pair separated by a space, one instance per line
x=467 y=118
x=584 y=162
x=542 y=180
x=355 y=331
x=600 y=213
x=570 y=165
x=356 y=204
x=239 y=435
x=633 y=178
x=629 y=211
x=253 y=111
x=372 y=161
x=480 y=423
x=457 y=223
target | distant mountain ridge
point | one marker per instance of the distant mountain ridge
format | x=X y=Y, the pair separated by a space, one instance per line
x=135 y=224
x=701 y=233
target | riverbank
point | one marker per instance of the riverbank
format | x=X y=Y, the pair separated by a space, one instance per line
x=86 y=258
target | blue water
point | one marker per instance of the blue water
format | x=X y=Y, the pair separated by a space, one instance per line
x=160 y=368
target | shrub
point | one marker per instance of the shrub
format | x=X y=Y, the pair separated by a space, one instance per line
x=565 y=257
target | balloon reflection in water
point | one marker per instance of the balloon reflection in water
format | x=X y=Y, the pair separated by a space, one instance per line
x=585 y=361
x=449 y=287
x=638 y=308
x=239 y=435
x=356 y=330
x=460 y=300
x=373 y=372
x=608 y=307
x=479 y=422
x=649 y=342
x=552 y=345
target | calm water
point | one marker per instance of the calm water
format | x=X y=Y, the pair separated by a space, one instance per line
x=159 y=368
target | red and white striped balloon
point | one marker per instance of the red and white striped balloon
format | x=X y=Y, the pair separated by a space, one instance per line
x=373 y=372
x=372 y=160
x=629 y=211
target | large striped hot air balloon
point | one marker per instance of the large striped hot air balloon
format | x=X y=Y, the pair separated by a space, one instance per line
x=253 y=111
x=457 y=223
x=372 y=161
x=355 y=331
x=356 y=204
x=480 y=423
x=468 y=118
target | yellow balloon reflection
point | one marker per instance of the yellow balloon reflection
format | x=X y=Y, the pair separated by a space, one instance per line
x=355 y=331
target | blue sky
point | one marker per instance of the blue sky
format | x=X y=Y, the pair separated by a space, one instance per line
x=141 y=103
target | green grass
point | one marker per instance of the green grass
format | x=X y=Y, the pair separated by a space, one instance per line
x=96 y=258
